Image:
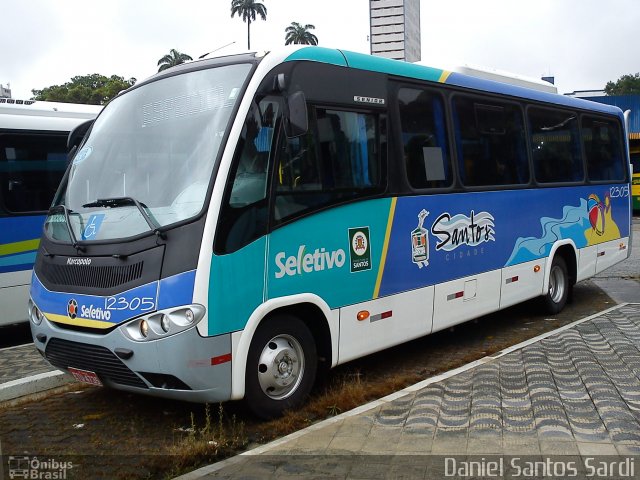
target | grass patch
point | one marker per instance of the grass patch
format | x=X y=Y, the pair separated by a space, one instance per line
x=204 y=441
x=345 y=392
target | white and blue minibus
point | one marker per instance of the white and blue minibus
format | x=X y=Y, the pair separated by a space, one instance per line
x=231 y=228
x=33 y=155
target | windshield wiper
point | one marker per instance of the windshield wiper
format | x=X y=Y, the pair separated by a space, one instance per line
x=72 y=236
x=124 y=201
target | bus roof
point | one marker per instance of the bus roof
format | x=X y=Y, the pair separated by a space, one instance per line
x=423 y=72
x=48 y=109
x=49 y=116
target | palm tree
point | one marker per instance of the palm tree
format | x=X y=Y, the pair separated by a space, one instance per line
x=248 y=9
x=297 y=34
x=172 y=59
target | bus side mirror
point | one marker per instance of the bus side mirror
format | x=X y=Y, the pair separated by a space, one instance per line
x=296 y=119
x=77 y=134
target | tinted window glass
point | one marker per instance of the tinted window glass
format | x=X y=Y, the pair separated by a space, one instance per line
x=490 y=141
x=555 y=146
x=424 y=138
x=245 y=214
x=337 y=160
x=603 y=149
x=31 y=167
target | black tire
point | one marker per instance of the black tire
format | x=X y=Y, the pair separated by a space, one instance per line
x=281 y=366
x=559 y=287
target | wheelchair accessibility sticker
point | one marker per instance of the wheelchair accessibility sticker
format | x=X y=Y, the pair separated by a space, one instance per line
x=93 y=226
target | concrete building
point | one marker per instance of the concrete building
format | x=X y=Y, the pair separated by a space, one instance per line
x=395 y=29
x=5 y=92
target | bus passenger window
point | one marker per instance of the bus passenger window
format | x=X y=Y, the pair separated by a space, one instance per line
x=424 y=137
x=31 y=167
x=602 y=147
x=337 y=160
x=555 y=146
x=490 y=142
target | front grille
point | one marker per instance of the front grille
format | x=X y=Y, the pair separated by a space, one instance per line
x=91 y=276
x=109 y=368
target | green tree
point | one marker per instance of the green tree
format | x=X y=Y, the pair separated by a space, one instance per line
x=300 y=35
x=94 y=89
x=247 y=10
x=625 y=85
x=172 y=59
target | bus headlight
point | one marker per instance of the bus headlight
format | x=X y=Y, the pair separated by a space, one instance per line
x=164 y=323
x=144 y=328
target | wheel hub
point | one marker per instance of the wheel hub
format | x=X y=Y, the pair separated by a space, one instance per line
x=280 y=367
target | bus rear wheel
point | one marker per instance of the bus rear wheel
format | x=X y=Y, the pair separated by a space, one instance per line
x=559 y=287
x=281 y=366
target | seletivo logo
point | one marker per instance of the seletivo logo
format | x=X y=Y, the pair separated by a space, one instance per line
x=307 y=262
x=75 y=310
x=94 y=313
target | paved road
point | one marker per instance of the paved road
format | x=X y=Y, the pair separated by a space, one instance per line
x=564 y=400
x=622 y=281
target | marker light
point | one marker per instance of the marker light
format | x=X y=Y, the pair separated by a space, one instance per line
x=536 y=269
x=362 y=315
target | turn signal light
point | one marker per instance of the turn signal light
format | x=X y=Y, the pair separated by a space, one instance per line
x=536 y=269
x=362 y=315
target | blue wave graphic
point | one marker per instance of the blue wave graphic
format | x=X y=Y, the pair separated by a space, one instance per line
x=572 y=225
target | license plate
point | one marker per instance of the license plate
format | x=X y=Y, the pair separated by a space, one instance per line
x=85 y=376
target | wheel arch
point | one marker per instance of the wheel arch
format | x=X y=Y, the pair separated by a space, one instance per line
x=569 y=253
x=310 y=309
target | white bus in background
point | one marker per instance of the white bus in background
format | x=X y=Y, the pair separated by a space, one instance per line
x=33 y=159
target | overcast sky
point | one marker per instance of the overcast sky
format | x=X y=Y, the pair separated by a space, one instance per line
x=583 y=43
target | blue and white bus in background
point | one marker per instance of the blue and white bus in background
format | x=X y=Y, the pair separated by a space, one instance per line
x=33 y=158
x=232 y=227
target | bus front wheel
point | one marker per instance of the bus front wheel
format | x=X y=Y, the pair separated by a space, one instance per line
x=281 y=366
x=559 y=286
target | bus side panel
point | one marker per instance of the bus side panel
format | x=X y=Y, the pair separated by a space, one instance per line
x=521 y=282
x=390 y=321
x=466 y=248
x=587 y=262
x=319 y=253
x=421 y=241
x=610 y=253
x=19 y=241
x=14 y=304
x=463 y=299
x=236 y=287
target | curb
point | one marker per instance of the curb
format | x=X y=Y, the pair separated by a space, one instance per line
x=33 y=384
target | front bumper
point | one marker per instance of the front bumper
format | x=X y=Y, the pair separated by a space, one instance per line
x=184 y=366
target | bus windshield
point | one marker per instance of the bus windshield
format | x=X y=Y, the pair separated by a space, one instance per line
x=147 y=161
